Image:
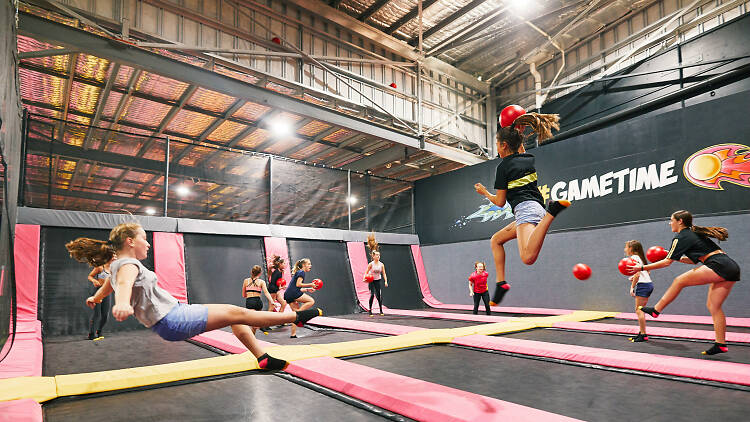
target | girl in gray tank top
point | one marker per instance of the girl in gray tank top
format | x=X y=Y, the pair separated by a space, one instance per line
x=137 y=293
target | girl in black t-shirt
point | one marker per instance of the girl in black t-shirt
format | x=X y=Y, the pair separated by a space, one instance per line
x=515 y=182
x=690 y=246
x=277 y=283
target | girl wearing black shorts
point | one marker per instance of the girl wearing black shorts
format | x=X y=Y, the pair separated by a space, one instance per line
x=690 y=246
x=252 y=288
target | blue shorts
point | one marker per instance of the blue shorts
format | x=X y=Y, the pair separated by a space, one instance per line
x=644 y=289
x=529 y=212
x=182 y=322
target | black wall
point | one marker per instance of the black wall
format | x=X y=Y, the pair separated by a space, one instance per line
x=329 y=263
x=64 y=287
x=216 y=265
x=403 y=286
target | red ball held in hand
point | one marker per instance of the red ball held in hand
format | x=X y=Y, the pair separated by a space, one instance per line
x=623 y=266
x=369 y=278
x=581 y=271
x=656 y=253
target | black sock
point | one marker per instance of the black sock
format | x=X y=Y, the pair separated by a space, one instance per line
x=639 y=338
x=555 y=207
x=307 y=315
x=501 y=289
x=270 y=363
x=650 y=311
x=716 y=349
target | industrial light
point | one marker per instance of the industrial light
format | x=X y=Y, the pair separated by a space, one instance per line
x=182 y=191
x=352 y=200
x=150 y=211
x=280 y=127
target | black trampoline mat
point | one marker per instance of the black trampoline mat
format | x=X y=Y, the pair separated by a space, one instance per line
x=253 y=397
x=655 y=345
x=584 y=393
x=127 y=349
x=481 y=312
x=652 y=323
x=410 y=321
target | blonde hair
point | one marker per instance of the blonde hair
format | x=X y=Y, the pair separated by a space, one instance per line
x=372 y=244
x=298 y=266
x=480 y=262
x=277 y=262
x=255 y=271
x=99 y=252
x=541 y=124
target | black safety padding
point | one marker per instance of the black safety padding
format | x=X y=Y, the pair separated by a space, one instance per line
x=403 y=287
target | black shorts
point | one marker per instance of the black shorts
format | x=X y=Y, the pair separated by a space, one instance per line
x=724 y=266
x=254 y=303
x=272 y=288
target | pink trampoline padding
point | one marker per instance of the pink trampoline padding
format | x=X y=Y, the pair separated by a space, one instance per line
x=370 y=327
x=689 y=319
x=28 y=326
x=26 y=253
x=24 y=410
x=225 y=341
x=654 y=331
x=729 y=372
x=446 y=315
x=169 y=263
x=424 y=286
x=411 y=397
x=358 y=262
x=277 y=246
x=25 y=357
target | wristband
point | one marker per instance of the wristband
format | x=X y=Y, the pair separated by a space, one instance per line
x=642 y=268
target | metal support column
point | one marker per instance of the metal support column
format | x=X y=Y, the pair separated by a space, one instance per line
x=166 y=179
x=349 y=196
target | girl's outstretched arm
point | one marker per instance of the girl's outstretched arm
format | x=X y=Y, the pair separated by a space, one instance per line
x=126 y=276
x=498 y=198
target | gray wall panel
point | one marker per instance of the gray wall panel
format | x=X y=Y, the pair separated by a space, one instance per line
x=550 y=283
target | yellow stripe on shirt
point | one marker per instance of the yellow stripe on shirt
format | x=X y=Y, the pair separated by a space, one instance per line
x=522 y=181
x=671 y=251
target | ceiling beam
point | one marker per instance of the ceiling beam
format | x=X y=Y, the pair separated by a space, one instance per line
x=373 y=9
x=447 y=21
x=413 y=13
x=378 y=159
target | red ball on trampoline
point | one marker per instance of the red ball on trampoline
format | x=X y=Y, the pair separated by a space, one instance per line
x=656 y=253
x=581 y=271
x=623 y=266
x=318 y=283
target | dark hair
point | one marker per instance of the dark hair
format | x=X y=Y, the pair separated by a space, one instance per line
x=719 y=233
x=255 y=271
x=637 y=249
x=277 y=262
x=541 y=124
x=99 y=252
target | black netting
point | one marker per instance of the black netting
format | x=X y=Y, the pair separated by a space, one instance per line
x=221 y=185
x=74 y=166
x=308 y=196
x=390 y=206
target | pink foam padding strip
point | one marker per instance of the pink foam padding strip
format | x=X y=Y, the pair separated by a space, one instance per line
x=26 y=253
x=446 y=315
x=416 y=253
x=410 y=397
x=27 y=326
x=371 y=327
x=277 y=246
x=25 y=357
x=507 y=309
x=729 y=372
x=225 y=341
x=654 y=331
x=358 y=262
x=24 y=410
x=689 y=319
x=169 y=263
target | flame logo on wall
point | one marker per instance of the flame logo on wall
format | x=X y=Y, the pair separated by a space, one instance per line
x=711 y=166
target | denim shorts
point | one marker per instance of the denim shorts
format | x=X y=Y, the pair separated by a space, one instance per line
x=644 y=289
x=182 y=322
x=529 y=212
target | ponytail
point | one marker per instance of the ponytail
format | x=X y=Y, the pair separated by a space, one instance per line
x=541 y=124
x=92 y=251
x=372 y=244
x=719 y=233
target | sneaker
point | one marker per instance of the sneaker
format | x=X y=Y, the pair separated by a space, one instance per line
x=639 y=338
